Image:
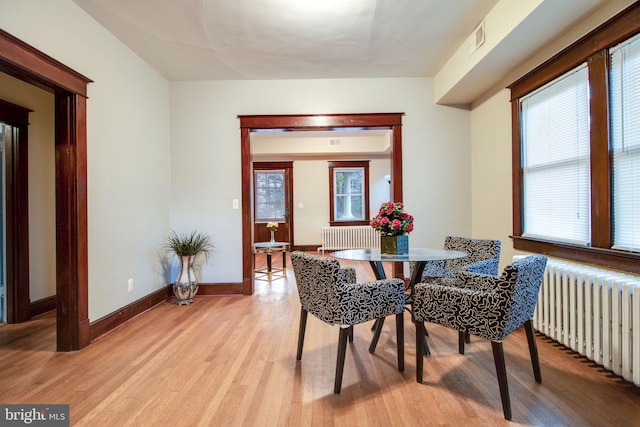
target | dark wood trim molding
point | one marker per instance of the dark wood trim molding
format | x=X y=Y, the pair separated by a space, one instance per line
x=516 y=170
x=220 y=289
x=391 y=121
x=305 y=248
x=42 y=306
x=117 y=318
x=617 y=29
x=320 y=121
x=608 y=258
x=28 y=64
x=71 y=230
x=247 y=211
x=70 y=88
x=601 y=161
x=17 y=212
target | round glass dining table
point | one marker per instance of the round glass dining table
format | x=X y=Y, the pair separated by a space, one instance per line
x=419 y=256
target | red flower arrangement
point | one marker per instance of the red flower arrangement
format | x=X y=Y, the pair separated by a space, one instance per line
x=392 y=220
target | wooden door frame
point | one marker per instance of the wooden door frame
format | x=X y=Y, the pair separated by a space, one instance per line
x=294 y=122
x=28 y=64
x=17 y=214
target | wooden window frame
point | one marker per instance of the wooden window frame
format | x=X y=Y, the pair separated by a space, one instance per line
x=348 y=164
x=594 y=49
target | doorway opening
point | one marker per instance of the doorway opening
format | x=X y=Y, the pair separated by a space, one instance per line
x=26 y=63
x=391 y=121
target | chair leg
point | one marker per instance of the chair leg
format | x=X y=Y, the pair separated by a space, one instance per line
x=533 y=350
x=400 y=340
x=427 y=351
x=501 y=371
x=342 y=349
x=376 y=335
x=461 y=341
x=303 y=326
x=420 y=340
x=467 y=338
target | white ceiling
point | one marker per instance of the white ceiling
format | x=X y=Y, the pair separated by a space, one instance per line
x=290 y=39
x=325 y=39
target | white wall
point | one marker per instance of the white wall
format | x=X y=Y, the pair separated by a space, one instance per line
x=128 y=147
x=205 y=153
x=41 y=155
x=491 y=173
x=379 y=187
x=311 y=188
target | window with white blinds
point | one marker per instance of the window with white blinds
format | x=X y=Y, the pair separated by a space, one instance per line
x=576 y=149
x=625 y=143
x=555 y=160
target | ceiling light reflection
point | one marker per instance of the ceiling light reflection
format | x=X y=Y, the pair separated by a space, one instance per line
x=332 y=6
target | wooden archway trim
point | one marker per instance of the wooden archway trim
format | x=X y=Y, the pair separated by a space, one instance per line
x=26 y=63
x=391 y=121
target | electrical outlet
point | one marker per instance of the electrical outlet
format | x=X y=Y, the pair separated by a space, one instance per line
x=130 y=285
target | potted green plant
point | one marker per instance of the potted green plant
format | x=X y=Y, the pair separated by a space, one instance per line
x=188 y=247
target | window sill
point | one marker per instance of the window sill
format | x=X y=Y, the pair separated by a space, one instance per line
x=609 y=258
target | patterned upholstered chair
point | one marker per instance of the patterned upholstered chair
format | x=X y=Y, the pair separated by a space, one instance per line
x=490 y=307
x=324 y=292
x=483 y=257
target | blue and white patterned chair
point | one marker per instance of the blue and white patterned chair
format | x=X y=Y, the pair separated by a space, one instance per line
x=325 y=292
x=483 y=256
x=490 y=307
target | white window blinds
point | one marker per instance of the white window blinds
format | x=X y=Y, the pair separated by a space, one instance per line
x=625 y=141
x=555 y=156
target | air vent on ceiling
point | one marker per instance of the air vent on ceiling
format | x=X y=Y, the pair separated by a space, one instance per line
x=333 y=142
x=477 y=38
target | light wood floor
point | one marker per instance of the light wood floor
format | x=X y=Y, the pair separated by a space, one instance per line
x=230 y=361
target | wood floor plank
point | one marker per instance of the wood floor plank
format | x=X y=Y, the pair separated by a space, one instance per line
x=230 y=360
